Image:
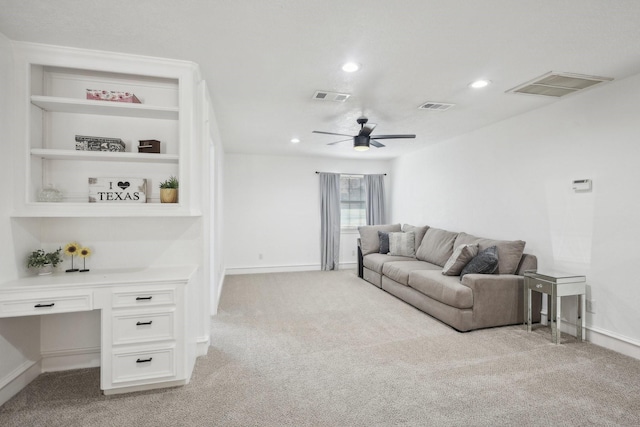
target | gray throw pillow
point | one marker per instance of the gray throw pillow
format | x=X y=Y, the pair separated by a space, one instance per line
x=384 y=242
x=460 y=258
x=402 y=244
x=486 y=262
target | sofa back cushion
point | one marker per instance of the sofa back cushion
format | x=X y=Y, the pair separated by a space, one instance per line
x=509 y=251
x=369 y=240
x=436 y=246
x=418 y=231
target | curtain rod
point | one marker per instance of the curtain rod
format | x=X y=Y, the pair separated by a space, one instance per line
x=344 y=173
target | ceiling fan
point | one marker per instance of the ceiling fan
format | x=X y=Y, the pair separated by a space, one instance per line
x=363 y=139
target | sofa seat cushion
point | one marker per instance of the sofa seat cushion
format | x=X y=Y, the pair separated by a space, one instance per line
x=509 y=251
x=375 y=262
x=445 y=289
x=398 y=271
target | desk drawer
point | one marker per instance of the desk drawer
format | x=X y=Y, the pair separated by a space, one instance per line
x=539 y=286
x=143 y=365
x=143 y=327
x=40 y=305
x=143 y=298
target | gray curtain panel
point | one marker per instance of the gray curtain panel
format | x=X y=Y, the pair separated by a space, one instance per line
x=374 y=186
x=330 y=220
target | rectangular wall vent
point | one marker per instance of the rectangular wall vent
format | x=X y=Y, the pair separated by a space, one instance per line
x=323 y=95
x=435 y=106
x=556 y=84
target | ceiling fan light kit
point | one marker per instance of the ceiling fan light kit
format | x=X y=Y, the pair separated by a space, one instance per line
x=363 y=140
x=360 y=143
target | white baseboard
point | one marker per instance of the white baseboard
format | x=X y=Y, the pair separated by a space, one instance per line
x=213 y=310
x=348 y=265
x=284 y=268
x=271 y=269
x=77 y=358
x=613 y=341
x=603 y=338
x=18 y=379
x=203 y=345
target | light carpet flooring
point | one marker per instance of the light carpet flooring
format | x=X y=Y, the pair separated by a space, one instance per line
x=328 y=349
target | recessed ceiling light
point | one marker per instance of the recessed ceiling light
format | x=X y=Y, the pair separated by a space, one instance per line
x=478 y=84
x=295 y=140
x=350 y=67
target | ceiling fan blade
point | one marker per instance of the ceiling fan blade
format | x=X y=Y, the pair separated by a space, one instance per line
x=392 y=136
x=367 y=129
x=331 y=133
x=342 y=140
x=376 y=143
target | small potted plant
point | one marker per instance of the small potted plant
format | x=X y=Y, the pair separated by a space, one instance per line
x=43 y=261
x=169 y=190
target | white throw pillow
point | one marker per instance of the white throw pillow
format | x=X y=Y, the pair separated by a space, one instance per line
x=459 y=259
x=402 y=244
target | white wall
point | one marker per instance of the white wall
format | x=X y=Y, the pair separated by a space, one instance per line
x=272 y=211
x=217 y=216
x=513 y=180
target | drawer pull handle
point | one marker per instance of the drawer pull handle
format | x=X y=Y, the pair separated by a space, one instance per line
x=144 y=323
x=538 y=286
x=143 y=298
x=44 y=305
x=144 y=360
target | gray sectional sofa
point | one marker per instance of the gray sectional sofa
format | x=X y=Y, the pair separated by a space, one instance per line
x=413 y=271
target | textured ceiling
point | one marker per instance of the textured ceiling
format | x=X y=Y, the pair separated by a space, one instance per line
x=263 y=60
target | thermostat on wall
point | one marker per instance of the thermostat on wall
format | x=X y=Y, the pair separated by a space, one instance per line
x=582 y=185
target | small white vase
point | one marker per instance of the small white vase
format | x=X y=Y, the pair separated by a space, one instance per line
x=45 y=270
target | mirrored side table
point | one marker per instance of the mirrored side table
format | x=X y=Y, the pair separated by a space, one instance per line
x=556 y=285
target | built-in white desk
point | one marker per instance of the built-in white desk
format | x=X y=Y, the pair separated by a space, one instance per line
x=144 y=325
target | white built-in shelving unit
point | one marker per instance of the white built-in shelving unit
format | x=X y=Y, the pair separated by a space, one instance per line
x=55 y=109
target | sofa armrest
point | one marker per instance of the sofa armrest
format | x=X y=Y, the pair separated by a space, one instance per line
x=499 y=298
x=360 y=261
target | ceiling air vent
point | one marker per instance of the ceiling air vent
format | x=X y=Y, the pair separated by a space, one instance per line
x=558 y=84
x=323 y=95
x=435 y=106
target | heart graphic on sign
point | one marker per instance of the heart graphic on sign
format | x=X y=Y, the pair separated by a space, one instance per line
x=123 y=185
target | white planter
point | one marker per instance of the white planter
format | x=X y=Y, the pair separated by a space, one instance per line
x=45 y=270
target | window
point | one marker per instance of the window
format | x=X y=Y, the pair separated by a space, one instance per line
x=352 y=201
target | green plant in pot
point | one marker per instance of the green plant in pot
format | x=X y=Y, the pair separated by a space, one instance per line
x=43 y=261
x=169 y=190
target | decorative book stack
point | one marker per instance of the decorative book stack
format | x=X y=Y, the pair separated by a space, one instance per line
x=97 y=143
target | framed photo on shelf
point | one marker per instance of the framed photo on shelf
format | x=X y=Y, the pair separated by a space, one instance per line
x=117 y=190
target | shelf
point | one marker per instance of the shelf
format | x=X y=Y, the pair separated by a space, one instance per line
x=114 y=156
x=106 y=108
x=76 y=210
